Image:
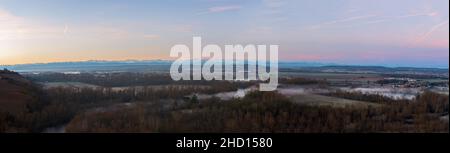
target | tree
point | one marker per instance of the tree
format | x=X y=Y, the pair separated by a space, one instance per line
x=194 y=99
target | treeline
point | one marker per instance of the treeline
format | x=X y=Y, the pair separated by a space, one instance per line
x=374 y=98
x=104 y=79
x=437 y=75
x=391 y=81
x=56 y=106
x=269 y=112
x=302 y=81
x=37 y=113
x=124 y=79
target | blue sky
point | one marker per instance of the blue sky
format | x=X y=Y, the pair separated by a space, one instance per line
x=361 y=32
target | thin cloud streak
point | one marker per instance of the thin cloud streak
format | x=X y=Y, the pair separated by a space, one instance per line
x=66 y=29
x=376 y=19
x=350 y=19
x=220 y=9
x=434 y=28
x=274 y=3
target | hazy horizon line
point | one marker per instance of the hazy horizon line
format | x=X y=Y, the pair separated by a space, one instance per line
x=285 y=61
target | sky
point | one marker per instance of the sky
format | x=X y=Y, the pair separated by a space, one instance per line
x=413 y=33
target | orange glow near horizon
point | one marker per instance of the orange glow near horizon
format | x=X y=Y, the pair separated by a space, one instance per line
x=75 y=57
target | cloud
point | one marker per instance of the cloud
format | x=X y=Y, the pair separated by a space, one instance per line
x=10 y=25
x=344 y=20
x=430 y=14
x=350 y=19
x=274 y=7
x=274 y=3
x=432 y=29
x=352 y=10
x=220 y=9
x=377 y=21
x=391 y=18
x=374 y=19
x=13 y=27
x=275 y=10
x=66 y=29
x=6 y=17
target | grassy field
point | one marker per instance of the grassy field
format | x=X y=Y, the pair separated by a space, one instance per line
x=319 y=100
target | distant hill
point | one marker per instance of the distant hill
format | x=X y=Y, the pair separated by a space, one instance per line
x=382 y=69
x=90 y=66
x=164 y=66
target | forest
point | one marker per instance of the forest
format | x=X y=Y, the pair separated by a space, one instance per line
x=269 y=112
x=176 y=108
x=59 y=105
